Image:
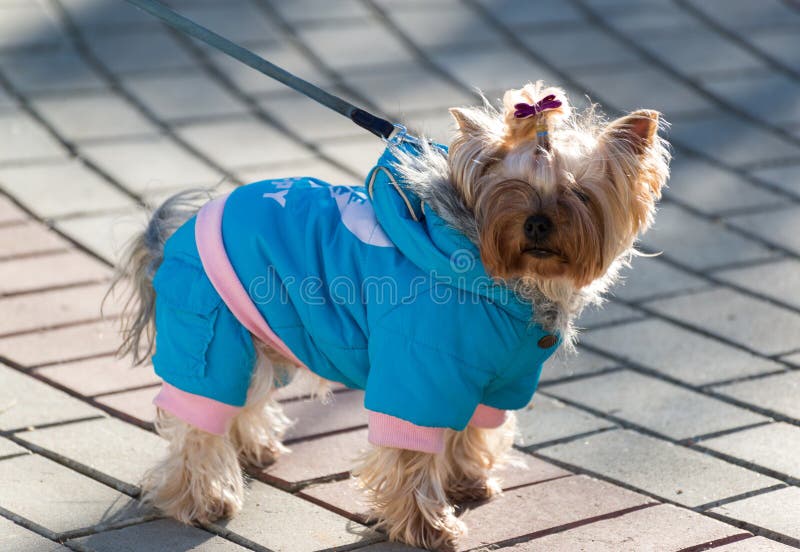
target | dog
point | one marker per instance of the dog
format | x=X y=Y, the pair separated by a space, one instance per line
x=440 y=287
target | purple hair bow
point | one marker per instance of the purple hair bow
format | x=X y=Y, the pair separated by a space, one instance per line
x=523 y=110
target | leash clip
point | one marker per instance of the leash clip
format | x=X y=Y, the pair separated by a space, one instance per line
x=400 y=135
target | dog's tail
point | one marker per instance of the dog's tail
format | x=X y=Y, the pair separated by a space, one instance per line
x=140 y=260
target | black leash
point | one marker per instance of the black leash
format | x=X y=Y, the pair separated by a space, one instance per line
x=364 y=119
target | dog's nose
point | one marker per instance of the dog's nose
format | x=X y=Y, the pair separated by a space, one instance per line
x=537 y=227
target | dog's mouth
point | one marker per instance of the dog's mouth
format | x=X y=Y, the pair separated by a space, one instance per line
x=541 y=252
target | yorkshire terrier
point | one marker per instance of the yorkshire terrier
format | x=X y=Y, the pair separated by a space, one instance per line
x=440 y=288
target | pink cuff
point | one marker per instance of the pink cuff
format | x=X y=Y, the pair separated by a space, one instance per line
x=487 y=417
x=201 y=412
x=388 y=431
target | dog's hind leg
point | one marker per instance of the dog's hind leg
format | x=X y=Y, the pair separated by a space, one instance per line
x=471 y=455
x=257 y=430
x=200 y=480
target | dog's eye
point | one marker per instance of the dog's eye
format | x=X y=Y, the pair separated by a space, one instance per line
x=582 y=196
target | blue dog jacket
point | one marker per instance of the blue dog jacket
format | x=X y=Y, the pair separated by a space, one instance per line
x=365 y=286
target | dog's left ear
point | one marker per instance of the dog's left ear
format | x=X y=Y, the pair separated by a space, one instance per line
x=636 y=132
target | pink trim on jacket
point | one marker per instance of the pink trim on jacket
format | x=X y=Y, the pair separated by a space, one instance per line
x=388 y=431
x=208 y=235
x=201 y=412
x=487 y=417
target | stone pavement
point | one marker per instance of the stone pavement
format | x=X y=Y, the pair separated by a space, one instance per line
x=676 y=428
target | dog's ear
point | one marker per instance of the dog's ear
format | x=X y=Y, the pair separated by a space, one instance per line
x=636 y=132
x=467 y=119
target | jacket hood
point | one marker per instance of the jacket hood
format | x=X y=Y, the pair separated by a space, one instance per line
x=438 y=249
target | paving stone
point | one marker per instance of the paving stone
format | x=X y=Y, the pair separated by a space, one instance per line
x=152 y=164
x=608 y=313
x=523 y=469
x=743 y=14
x=308 y=119
x=26 y=402
x=654 y=18
x=780 y=44
x=310 y=167
x=7 y=103
x=57 y=190
x=317 y=458
x=756 y=544
x=134 y=52
x=408 y=88
x=60 y=70
x=779 y=280
x=28 y=238
x=436 y=125
x=105 y=234
x=357 y=154
x=305 y=11
x=678 y=353
x=10 y=213
x=446 y=26
x=699 y=243
x=345 y=411
x=558 y=503
x=273 y=519
x=785 y=177
x=568 y=48
x=51 y=308
x=240 y=20
x=783 y=92
x=71 y=342
x=654 y=404
x=672 y=472
x=641 y=86
x=491 y=70
x=547 y=419
x=95 y=15
x=60 y=500
x=17 y=538
x=776 y=511
x=136 y=406
x=702 y=53
x=94 y=116
x=327 y=43
x=713 y=190
x=241 y=142
x=36 y=272
x=732 y=140
x=283 y=54
x=768 y=329
x=566 y=365
x=27 y=25
x=342 y=497
x=184 y=95
x=781 y=227
x=774 y=446
x=658 y=528
x=10 y=448
x=101 y=375
x=106 y=446
x=774 y=393
x=25 y=140
x=169 y=534
x=651 y=276
x=517 y=13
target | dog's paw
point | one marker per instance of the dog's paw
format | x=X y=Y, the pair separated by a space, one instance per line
x=440 y=534
x=473 y=491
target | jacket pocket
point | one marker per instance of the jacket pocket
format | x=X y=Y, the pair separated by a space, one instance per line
x=187 y=307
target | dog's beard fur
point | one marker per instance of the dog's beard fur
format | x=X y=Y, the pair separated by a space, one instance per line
x=596 y=183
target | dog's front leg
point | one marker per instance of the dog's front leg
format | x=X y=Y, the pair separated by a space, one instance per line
x=406 y=490
x=471 y=456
